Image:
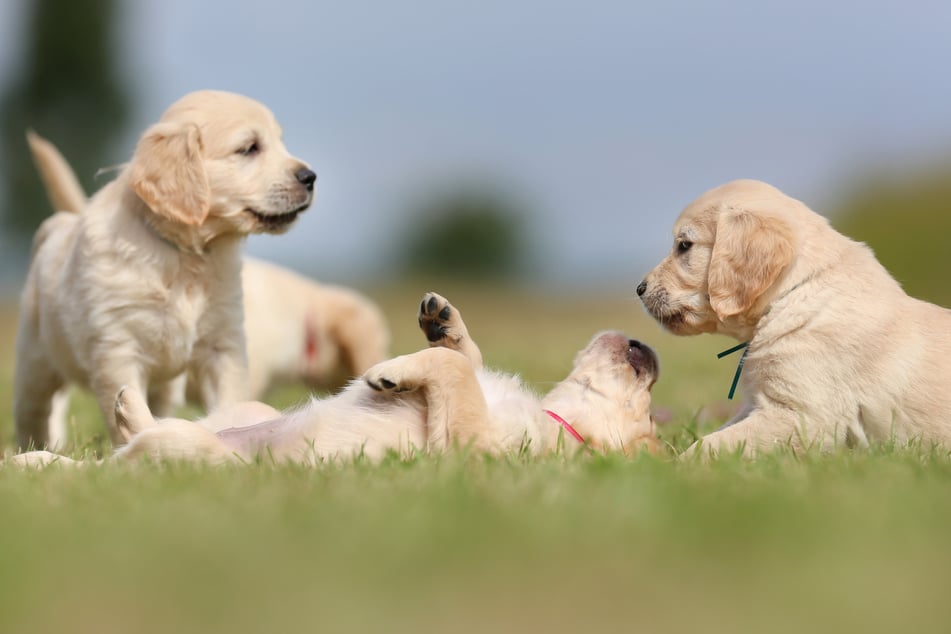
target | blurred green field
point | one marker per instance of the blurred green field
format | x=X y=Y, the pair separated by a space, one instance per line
x=851 y=541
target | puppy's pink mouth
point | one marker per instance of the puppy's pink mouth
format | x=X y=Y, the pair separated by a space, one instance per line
x=643 y=359
x=277 y=222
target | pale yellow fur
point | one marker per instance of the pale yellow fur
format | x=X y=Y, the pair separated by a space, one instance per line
x=839 y=354
x=145 y=283
x=430 y=400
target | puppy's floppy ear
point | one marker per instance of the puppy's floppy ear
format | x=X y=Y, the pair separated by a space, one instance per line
x=167 y=173
x=750 y=252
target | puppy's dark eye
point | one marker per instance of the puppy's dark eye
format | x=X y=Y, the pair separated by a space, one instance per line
x=683 y=246
x=249 y=150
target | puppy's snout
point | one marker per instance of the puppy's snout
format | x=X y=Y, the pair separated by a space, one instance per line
x=641 y=288
x=306 y=177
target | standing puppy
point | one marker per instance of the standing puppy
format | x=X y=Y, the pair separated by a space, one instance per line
x=145 y=283
x=838 y=354
x=297 y=329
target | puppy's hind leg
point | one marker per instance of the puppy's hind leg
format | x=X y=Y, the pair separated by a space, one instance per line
x=177 y=441
x=132 y=414
x=442 y=324
x=456 y=407
x=35 y=383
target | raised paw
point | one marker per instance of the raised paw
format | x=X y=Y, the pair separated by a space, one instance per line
x=390 y=376
x=132 y=413
x=436 y=317
x=443 y=326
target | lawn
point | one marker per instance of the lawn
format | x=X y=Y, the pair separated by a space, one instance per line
x=462 y=543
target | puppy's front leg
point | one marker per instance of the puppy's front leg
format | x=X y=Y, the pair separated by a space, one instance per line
x=443 y=327
x=221 y=369
x=765 y=430
x=457 y=411
x=166 y=396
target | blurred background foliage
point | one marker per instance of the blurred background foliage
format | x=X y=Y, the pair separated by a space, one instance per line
x=68 y=88
x=905 y=219
x=69 y=85
x=468 y=232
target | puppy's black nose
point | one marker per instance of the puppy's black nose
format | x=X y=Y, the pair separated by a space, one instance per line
x=306 y=177
x=641 y=288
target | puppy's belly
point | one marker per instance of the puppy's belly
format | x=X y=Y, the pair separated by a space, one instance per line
x=255 y=439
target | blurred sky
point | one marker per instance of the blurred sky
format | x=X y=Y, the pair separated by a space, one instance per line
x=605 y=118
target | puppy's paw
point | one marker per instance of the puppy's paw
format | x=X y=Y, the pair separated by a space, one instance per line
x=438 y=320
x=390 y=376
x=132 y=413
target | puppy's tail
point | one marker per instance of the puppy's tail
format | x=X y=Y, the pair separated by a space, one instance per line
x=59 y=179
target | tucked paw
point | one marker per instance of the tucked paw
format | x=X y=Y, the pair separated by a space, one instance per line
x=389 y=376
x=436 y=317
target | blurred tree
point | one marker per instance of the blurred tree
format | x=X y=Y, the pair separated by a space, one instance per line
x=68 y=89
x=905 y=221
x=471 y=232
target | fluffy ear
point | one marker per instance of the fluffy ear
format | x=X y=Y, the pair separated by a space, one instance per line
x=750 y=252
x=167 y=173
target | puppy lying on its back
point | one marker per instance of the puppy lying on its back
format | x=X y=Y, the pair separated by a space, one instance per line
x=428 y=400
x=838 y=354
x=296 y=329
x=144 y=284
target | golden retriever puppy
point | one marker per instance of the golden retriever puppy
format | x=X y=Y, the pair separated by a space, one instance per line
x=144 y=283
x=296 y=329
x=301 y=330
x=838 y=354
x=429 y=400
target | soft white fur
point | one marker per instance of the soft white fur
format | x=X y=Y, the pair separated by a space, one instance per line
x=296 y=329
x=428 y=401
x=144 y=283
x=302 y=330
x=839 y=354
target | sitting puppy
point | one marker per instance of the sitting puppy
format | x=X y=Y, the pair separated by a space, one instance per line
x=296 y=329
x=145 y=284
x=838 y=354
x=429 y=400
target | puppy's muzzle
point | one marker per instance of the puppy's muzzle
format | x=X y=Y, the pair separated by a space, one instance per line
x=306 y=177
x=642 y=358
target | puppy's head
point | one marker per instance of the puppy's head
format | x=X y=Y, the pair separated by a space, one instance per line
x=731 y=248
x=606 y=397
x=216 y=161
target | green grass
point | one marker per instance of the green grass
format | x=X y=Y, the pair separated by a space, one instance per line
x=844 y=542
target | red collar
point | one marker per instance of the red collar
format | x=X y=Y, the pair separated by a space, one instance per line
x=566 y=425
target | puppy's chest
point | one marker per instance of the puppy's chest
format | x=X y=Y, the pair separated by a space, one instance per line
x=183 y=317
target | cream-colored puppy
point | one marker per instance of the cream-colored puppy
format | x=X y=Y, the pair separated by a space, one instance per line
x=429 y=400
x=297 y=329
x=145 y=283
x=301 y=330
x=838 y=354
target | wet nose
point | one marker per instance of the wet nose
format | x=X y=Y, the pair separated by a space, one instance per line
x=306 y=177
x=641 y=288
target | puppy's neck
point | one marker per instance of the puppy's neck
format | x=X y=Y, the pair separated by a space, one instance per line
x=164 y=231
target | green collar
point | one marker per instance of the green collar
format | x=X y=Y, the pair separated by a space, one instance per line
x=739 y=366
